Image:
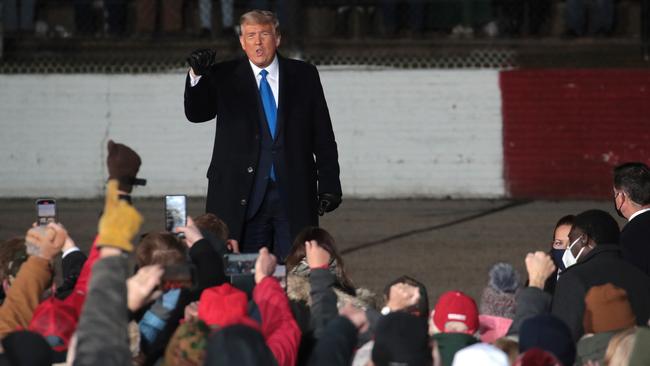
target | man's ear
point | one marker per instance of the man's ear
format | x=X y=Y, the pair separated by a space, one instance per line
x=277 y=40
x=6 y=284
x=241 y=42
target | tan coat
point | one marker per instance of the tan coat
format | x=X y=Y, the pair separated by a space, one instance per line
x=24 y=295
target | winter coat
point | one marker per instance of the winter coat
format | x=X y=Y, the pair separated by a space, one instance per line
x=102 y=333
x=24 y=295
x=604 y=264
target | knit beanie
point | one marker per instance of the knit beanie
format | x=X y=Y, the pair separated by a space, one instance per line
x=549 y=333
x=498 y=298
x=607 y=308
x=188 y=344
x=599 y=225
x=401 y=338
x=224 y=305
x=480 y=354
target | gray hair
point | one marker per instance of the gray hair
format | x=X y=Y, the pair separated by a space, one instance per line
x=257 y=16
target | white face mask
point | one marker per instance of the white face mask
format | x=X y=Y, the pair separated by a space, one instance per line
x=568 y=259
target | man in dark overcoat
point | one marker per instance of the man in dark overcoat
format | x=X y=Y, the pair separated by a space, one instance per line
x=274 y=163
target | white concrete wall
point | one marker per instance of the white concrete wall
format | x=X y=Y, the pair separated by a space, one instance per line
x=401 y=133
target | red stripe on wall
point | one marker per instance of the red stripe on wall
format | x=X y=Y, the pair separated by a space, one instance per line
x=564 y=130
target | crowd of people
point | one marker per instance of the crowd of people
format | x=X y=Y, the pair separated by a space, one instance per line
x=397 y=18
x=585 y=299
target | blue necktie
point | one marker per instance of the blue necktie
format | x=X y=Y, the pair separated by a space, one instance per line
x=270 y=108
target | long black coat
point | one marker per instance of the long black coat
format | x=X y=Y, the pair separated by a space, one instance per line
x=307 y=163
x=604 y=264
x=635 y=240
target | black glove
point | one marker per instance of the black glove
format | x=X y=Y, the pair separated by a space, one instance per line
x=201 y=61
x=328 y=202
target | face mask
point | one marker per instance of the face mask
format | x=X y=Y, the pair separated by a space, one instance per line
x=557 y=255
x=567 y=258
x=618 y=209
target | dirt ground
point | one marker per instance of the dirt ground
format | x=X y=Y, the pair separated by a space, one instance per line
x=446 y=244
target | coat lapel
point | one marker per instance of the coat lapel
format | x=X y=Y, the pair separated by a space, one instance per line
x=284 y=86
x=248 y=93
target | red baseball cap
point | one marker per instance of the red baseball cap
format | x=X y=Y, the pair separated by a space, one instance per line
x=455 y=306
x=225 y=305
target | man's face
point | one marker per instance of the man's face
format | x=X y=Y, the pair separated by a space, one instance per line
x=259 y=41
x=582 y=241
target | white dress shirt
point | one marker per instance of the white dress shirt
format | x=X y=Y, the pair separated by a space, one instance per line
x=638 y=213
x=273 y=77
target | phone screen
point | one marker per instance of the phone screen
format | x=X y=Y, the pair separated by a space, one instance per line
x=175 y=212
x=46 y=211
x=240 y=264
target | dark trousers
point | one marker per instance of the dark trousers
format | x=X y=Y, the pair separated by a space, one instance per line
x=269 y=227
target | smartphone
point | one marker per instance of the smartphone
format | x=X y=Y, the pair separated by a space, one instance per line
x=240 y=270
x=240 y=264
x=46 y=211
x=175 y=212
x=179 y=276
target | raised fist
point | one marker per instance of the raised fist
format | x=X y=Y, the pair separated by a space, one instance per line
x=45 y=241
x=328 y=202
x=201 y=61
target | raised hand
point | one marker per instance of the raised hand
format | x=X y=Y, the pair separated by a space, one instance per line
x=201 y=61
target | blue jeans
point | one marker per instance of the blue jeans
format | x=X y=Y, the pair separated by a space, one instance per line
x=269 y=227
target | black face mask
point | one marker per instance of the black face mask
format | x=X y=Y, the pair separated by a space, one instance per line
x=618 y=210
x=556 y=255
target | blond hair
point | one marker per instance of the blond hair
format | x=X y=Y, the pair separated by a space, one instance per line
x=620 y=348
x=257 y=16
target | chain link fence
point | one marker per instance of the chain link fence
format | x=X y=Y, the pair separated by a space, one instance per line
x=136 y=36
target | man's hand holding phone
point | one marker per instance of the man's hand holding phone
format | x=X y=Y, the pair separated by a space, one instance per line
x=265 y=265
x=45 y=241
x=191 y=232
